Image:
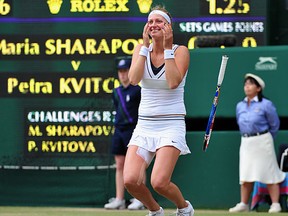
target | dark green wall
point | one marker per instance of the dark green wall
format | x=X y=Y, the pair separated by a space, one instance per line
x=203 y=73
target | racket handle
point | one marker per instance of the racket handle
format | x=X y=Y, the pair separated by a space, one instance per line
x=222 y=69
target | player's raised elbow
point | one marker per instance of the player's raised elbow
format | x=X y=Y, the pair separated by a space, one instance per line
x=173 y=85
x=133 y=81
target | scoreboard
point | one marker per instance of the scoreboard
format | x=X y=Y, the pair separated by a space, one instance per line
x=57 y=68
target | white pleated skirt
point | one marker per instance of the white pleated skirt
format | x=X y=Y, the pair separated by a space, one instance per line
x=152 y=135
x=258 y=160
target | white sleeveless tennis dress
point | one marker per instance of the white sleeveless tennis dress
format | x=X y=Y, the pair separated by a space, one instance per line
x=161 y=112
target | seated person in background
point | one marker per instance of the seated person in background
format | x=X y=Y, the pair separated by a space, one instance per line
x=283 y=157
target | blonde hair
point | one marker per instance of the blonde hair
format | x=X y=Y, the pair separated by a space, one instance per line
x=163 y=9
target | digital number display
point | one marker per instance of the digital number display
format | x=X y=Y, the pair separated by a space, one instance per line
x=223 y=7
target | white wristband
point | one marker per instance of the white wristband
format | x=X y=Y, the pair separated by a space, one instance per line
x=168 y=54
x=144 y=51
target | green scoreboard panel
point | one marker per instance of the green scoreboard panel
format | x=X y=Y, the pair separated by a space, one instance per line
x=57 y=68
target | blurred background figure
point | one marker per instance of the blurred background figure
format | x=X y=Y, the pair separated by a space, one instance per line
x=258 y=123
x=126 y=99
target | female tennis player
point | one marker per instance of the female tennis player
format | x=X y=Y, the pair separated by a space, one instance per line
x=161 y=67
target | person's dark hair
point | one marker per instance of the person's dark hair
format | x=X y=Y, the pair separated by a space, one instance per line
x=162 y=8
x=254 y=81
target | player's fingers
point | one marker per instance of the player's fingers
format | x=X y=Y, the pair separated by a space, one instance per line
x=145 y=30
x=168 y=27
x=146 y=35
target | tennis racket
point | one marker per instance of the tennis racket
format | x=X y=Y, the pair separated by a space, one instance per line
x=215 y=102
